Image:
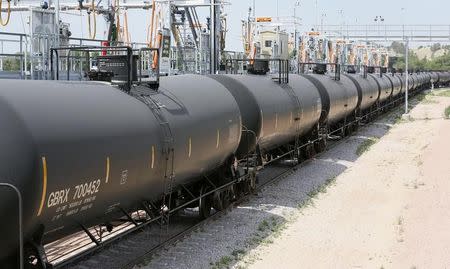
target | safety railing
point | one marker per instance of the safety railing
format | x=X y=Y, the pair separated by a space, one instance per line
x=320 y=68
x=54 y=62
x=278 y=67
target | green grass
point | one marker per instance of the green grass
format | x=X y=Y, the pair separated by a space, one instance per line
x=447 y=112
x=224 y=262
x=365 y=146
x=263 y=226
x=445 y=93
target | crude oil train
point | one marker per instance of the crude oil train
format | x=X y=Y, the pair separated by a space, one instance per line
x=85 y=154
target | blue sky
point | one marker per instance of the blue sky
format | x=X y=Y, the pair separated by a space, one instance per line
x=353 y=11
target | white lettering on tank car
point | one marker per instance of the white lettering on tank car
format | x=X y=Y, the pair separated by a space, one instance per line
x=86 y=189
x=124 y=177
x=58 y=197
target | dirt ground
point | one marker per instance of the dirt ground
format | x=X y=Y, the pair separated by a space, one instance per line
x=391 y=209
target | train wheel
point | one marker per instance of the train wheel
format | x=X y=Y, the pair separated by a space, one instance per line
x=204 y=204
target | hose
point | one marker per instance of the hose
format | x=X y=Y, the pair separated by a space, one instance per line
x=125 y=28
x=117 y=12
x=155 y=55
x=4 y=23
x=150 y=39
x=93 y=33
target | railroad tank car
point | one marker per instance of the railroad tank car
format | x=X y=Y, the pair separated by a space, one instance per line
x=426 y=79
x=385 y=86
x=434 y=78
x=277 y=109
x=444 y=78
x=81 y=152
x=396 y=83
x=447 y=76
x=250 y=114
x=415 y=81
x=339 y=97
x=368 y=92
x=419 y=81
x=205 y=123
x=402 y=82
x=410 y=83
x=310 y=102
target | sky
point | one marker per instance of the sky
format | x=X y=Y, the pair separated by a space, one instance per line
x=310 y=11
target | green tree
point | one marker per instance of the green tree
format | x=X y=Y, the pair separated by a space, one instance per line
x=11 y=64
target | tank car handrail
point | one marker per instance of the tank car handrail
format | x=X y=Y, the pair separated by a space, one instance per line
x=128 y=50
x=283 y=67
x=337 y=70
x=19 y=199
x=154 y=85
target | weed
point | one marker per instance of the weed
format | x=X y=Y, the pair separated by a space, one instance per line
x=447 y=112
x=264 y=225
x=224 y=262
x=445 y=93
x=364 y=146
x=238 y=253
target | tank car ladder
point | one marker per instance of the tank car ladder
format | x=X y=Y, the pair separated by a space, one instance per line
x=169 y=159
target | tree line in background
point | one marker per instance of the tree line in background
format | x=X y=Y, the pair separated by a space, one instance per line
x=436 y=63
x=11 y=64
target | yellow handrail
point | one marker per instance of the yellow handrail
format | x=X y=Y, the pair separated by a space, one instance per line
x=118 y=25
x=4 y=23
x=125 y=28
x=152 y=22
x=92 y=10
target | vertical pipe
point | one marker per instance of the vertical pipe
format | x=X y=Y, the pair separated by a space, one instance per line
x=21 y=57
x=212 y=37
x=407 y=74
x=1 y=59
x=57 y=21
x=26 y=57
x=254 y=8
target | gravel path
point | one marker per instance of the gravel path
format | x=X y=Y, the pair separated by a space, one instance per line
x=298 y=221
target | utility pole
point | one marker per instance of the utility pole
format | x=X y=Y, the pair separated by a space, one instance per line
x=57 y=19
x=278 y=15
x=321 y=21
x=316 y=7
x=213 y=39
x=407 y=74
x=297 y=4
x=254 y=8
